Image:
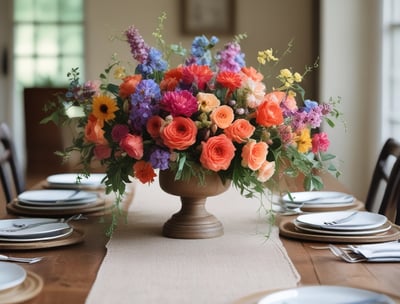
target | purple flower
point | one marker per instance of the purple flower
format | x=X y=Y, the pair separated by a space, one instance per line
x=159 y=159
x=230 y=58
x=179 y=103
x=144 y=103
x=139 y=48
x=314 y=117
x=152 y=64
x=299 y=120
x=200 y=53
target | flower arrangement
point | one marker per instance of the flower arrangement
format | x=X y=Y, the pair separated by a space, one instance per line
x=211 y=113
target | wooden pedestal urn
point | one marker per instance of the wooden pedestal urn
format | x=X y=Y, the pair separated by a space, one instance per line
x=192 y=221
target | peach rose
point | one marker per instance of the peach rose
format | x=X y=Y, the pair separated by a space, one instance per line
x=128 y=86
x=266 y=171
x=179 y=134
x=222 y=116
x=254 y=154
x=132 y=145
x=102 y=151
x=144 y=172
x=207 y=102
x=240 y=130
x=269 y=114
x=94 y=131
x=217 y=153
x=281 y=97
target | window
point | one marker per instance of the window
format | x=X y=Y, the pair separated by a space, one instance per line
x=391 y=69
x=48 y=41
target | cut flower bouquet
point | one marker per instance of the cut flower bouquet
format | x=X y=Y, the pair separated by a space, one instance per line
x=210 y=113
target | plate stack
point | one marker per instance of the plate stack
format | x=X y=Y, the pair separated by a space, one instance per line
x=76 y=181
x=341 y=226
x=316 y=201
x=18 y=285
x=58 y=202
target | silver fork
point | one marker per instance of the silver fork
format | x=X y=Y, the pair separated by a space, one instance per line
x=344 y=255
x=341 y=220
x=20 y=260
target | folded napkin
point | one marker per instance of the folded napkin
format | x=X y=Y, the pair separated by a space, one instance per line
x=381 y=252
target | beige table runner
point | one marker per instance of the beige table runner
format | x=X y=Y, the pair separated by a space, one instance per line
x=142 y=266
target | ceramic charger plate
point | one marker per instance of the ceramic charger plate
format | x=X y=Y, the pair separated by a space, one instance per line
x=11 y=275
x=50 y=197
x=325 y=294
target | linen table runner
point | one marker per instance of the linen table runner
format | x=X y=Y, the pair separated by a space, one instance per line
x=142 y=266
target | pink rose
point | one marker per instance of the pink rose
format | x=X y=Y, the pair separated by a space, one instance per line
x=102 y=152
x=254 y=154
x=132 y=145
x=266 y=171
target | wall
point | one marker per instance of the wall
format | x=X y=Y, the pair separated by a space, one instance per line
x=350 y=68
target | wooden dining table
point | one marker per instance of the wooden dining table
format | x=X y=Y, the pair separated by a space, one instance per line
x=69 y=272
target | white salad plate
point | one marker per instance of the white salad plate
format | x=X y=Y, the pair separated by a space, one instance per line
x=57 y=197
x=32 y=227
x=11 y=275
x=74 y=180
x=356 y=220
x=326 y=295
x=306 y=228
x=318 y=198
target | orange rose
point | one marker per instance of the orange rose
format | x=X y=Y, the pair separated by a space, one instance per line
x=266 y=171
x=144 y=171
x=180 y=134
x=222 y=116
x=269 y=114
x=217 y=153
x=132 y=145
x=94 y=131
x=240 y=130
x=154 y=125
x=128 y=86
x=254 y=154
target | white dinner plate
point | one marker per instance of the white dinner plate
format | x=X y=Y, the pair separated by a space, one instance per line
x=326 y=295
x=11 y=275
x=39 y=238
x=362 y=220
x=306 y=228
x=318 y=197
x=57 y=197
x=71 y=180
x=10 y=228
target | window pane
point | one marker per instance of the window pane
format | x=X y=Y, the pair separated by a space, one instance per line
x=396 y=10
x=23 y=40
x=46 y=71
x=47 y=40
x=71 y=39
x=23 y=10
x=70 y=62
x=71 y=10
x=46 y=10
x=24 y=71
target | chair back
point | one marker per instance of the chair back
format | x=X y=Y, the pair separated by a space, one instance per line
x=11 y=176
x=384 y=187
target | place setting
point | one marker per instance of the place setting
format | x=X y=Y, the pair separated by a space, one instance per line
x=317 y=201
x=94 y=181
x=38 y=233
x=349 y=226
x=59 y=202
x=17 y=284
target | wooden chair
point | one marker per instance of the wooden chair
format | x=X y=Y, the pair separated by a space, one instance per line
x=384 y=191
x=11 y=176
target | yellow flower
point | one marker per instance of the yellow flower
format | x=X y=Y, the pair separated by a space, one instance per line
x=297 y=77
x=303 y=141
x=266 y=55
x=104 y=107
x=119 y=73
